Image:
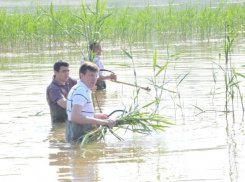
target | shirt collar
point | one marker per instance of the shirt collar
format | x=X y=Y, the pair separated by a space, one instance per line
x=57 y=83
x=80 y=83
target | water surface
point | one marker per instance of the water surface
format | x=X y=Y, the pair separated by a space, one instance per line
x=200 y=147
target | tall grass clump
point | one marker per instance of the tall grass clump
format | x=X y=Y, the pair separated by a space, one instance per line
x=178 y=23
x=228 y=68
x=89 y=27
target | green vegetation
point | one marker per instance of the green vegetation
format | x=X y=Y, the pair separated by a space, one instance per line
x=35 y=30
x=135 y=121
x=229 y=71
x=89 y=27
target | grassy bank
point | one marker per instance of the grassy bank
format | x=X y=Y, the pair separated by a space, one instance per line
x=29 y=30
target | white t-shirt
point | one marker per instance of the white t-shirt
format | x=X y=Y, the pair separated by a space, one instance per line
x=97 y=61
x=79 y=94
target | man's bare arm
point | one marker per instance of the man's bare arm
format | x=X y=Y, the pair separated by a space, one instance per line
x=62 y=103
x=77 y=117
x=111 y=76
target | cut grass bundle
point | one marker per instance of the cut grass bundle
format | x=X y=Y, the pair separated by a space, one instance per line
x=135 y=121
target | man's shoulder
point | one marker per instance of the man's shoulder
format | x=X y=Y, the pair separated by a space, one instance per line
x=80 y=89
x=97 y=59
x=80 y=92
x=52 y=85
x=53 y=89
x=72 y=81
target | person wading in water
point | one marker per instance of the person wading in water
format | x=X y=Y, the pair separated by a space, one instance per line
x=80 y=111
x=58 y=90
x=96 y=51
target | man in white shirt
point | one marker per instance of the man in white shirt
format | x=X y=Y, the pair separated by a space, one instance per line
x=80 y=111
x=95 y=55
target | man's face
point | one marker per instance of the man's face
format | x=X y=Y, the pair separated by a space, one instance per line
x=98 y=50
x=89 y=79
x=63 y=75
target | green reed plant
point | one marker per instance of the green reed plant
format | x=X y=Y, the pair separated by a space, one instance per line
x=230 y=74
x=159 y=82
x=237 y=85
x=158 y=85
x=214 y=74
x=178 y=79
x=90 y=25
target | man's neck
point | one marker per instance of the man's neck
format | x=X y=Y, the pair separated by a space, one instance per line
x=59 y=81
x=85 y=84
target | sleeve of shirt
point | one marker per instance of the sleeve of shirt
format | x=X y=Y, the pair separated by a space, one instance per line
x=55 y=95
x=101 y=66
x=79 y=98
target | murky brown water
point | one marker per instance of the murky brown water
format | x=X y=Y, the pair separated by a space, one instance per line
x=205 y=147
x=200 y=147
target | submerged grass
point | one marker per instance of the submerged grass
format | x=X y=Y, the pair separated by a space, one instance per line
x=30 y=30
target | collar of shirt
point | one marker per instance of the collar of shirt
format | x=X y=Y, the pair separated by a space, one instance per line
x=57 y=83
x=81 y=84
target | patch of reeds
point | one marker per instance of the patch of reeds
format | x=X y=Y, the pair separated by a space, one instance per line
x=34 y=29
x=228 y=69
x=136 y=120
x=89 y=27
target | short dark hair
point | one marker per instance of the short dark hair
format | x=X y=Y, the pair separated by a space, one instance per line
x=60 y=63
x=94 y=45
x=88 y=66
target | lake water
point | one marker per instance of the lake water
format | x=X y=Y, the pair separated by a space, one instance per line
x=205 y=146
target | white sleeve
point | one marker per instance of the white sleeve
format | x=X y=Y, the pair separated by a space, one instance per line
x=101 y=66
x=80 y=98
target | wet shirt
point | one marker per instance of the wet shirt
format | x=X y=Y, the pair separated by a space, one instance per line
x=56 y=91
x=79 y=94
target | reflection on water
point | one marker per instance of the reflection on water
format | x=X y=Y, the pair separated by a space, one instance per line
x=201 y=147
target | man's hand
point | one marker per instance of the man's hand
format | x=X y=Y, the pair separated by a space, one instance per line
x=113 y=77
x=94 y=89
x=109 y=122
x=100 y=116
